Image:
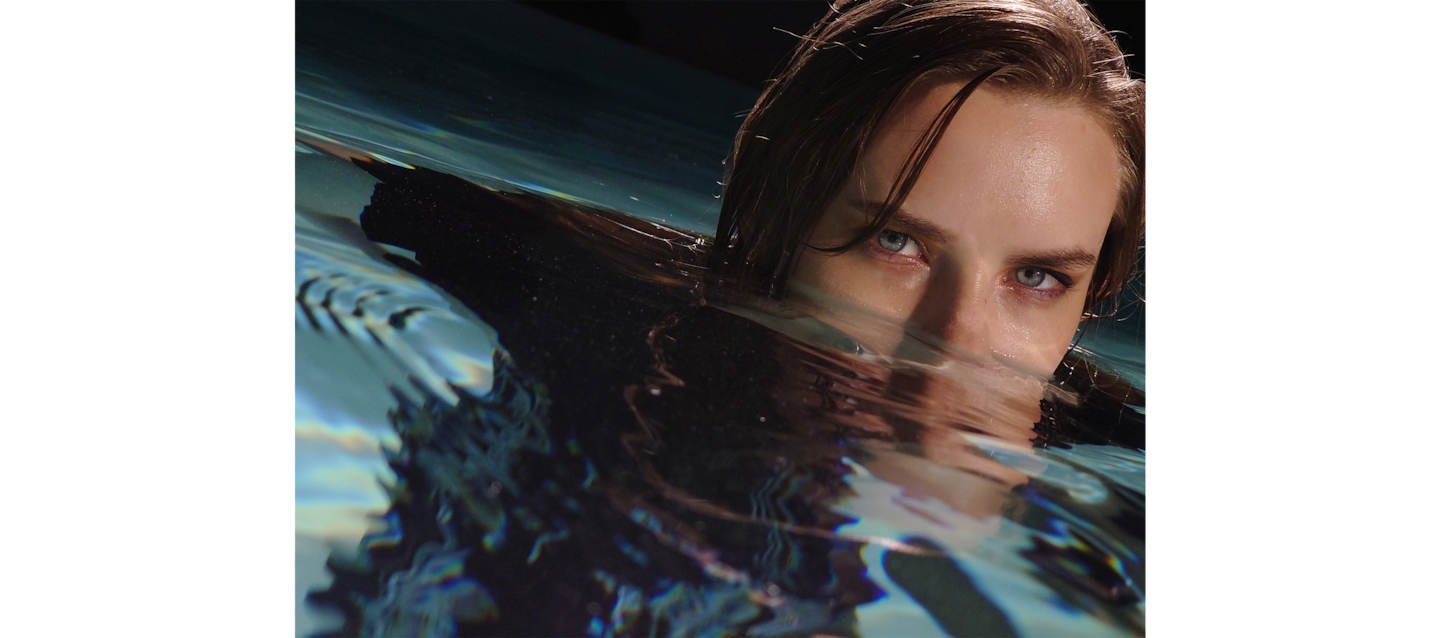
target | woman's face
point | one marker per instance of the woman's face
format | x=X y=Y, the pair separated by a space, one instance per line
x=994 y=248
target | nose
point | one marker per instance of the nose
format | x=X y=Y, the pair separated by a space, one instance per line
x=957 y=307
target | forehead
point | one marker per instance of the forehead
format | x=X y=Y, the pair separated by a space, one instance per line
x=1016 y=158
x=988 y=114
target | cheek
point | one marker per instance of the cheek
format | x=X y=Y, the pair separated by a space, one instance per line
x=854 y=278
x=810 y=269
x=1038 y=337
x=869 y=306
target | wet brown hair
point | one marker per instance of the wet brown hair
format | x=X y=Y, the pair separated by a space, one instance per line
x=807 y=132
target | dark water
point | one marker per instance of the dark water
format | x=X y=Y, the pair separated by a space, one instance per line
x=574 y=438
x=648 y=462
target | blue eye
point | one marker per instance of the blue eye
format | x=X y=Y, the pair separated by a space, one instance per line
x=893 y=241
x=1031 y=277
x=1037 y=278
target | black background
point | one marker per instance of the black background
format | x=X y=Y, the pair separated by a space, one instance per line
x=745 y=40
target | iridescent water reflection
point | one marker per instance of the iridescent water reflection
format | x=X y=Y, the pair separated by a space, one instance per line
x=549 y=420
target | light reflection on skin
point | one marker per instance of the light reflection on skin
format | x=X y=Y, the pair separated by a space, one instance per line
x=988 y=261
x=991 y=255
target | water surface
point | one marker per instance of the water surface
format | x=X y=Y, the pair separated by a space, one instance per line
x=518 y=424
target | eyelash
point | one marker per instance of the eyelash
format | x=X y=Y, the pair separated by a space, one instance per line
x=1066 y=283
x=897 y=255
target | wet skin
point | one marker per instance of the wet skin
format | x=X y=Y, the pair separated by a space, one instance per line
x=995 y=246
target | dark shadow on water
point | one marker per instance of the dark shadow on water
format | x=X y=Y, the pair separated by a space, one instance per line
x=658 y=458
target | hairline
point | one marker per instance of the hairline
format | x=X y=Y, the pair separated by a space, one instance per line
x=1059 y=98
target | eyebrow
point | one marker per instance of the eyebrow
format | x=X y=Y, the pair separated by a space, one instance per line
x=904 y=222
x=1057 y=259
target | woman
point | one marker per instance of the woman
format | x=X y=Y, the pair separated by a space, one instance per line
x=681 y=473
x=950 y=184
x=866 y=121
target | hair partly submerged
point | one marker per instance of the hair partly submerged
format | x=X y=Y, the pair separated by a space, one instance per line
x=808 y=130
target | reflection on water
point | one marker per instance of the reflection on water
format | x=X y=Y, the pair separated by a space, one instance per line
x=639 y=460
x=516 y=417
x=471 y=89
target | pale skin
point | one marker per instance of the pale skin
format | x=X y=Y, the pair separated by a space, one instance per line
x=995 y=246
x=990 y=257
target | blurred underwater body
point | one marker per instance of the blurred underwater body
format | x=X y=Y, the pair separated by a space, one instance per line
x=642 y=461
x=571 y=440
